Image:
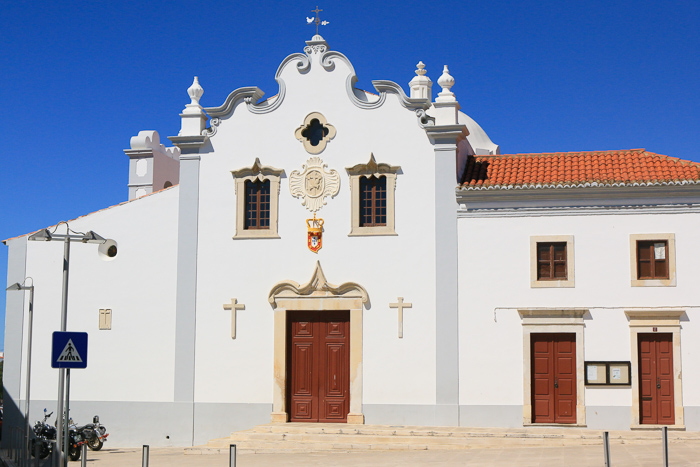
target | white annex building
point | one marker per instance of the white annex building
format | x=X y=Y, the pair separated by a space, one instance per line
x=336 y=255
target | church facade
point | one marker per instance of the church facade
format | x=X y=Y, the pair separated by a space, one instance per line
x=335 y=255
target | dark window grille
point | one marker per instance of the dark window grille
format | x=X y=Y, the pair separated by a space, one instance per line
x=372 y=201
x=652 y=259
x=314 y=132
x=257 y=204
x=551 y=261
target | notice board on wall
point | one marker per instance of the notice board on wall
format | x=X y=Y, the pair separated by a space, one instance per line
x=608 y=373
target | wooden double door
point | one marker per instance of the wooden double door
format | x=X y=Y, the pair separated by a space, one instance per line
x=656 y=404
x=318 y=366
x=553 y=377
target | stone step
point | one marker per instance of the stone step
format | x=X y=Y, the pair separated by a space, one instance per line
x=277 y=438
x=392 y=439
x=469 y=432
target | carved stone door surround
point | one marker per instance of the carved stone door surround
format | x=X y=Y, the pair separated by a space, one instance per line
x=317 y=295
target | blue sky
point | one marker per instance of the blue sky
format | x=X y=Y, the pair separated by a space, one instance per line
x=80 y=78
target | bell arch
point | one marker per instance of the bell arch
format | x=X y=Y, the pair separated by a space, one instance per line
x=317 y=295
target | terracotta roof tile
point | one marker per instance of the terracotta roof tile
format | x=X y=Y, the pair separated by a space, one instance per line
x=615 y=168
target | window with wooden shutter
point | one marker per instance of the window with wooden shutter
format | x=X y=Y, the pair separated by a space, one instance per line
x=257 y=201
x=652 y=259
x=257 y=204
x=372 y=201
x=372 y=188
x=551 y=261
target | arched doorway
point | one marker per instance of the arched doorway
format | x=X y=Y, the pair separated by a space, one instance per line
x=327 y=302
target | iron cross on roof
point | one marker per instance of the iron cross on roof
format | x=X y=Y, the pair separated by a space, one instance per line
x=316 y=19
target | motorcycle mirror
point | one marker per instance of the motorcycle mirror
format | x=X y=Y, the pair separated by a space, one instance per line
x=96 y=419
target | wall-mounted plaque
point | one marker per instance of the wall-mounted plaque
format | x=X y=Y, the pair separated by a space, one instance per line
x=608 y=374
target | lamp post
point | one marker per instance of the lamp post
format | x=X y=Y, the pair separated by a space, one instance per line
x=18 y=286
x=90 y=237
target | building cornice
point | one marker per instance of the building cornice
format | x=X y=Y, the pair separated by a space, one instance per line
x=188 y=143
x=580 y=211
x=660 y=194
x=446 y=134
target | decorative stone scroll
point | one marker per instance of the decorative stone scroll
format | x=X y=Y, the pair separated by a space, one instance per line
x=314 y=184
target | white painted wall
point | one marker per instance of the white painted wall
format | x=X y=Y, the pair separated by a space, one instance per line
x=134 y=360
x=494 y=281
x=396 y=371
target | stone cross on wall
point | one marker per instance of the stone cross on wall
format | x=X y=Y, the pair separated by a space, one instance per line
x=400 y=305
x=233 y=307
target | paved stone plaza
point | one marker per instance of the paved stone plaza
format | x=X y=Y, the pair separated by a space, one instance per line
x=622 y=455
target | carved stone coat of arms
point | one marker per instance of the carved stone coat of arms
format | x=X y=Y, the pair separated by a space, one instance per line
x=314 y=184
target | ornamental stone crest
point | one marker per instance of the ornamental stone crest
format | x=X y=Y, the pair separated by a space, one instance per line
x=314 y=183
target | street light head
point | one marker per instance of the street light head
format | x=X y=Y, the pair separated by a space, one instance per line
x=92 y=237
x=41 y=236
x=18 y=286
x=108 y=250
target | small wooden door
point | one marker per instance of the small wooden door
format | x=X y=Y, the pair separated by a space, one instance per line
x=553 y=377
x=318 y=363
x=656 y=405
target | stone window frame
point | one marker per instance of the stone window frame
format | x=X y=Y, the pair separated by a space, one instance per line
x=372 y=168
x=257 y=172
x=649 y=322
x=570 y=265
x=543 y=321
x=318 y=149
x=670 y=240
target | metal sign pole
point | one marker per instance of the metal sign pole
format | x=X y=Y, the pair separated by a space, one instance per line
x=66 y=441
x=62 y=371
x=25 y=448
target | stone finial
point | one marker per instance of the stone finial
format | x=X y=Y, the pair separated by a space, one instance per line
x=421 y=85
x=446 y=81
x=195 y=92
x=193 y=117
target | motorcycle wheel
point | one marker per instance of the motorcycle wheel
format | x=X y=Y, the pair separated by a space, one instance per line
x=95 y=443
x=74 y=453
x=44 y=450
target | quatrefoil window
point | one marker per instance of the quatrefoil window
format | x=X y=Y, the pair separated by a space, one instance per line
x=315 y=133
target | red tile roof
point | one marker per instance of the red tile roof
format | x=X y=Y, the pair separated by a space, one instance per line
x=591 y=168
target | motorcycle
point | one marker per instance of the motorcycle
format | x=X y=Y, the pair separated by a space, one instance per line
x=45 y=439
x=75 y=440
x=94 y=434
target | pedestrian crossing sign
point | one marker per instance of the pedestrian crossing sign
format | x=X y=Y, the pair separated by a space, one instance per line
x=69 y=350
